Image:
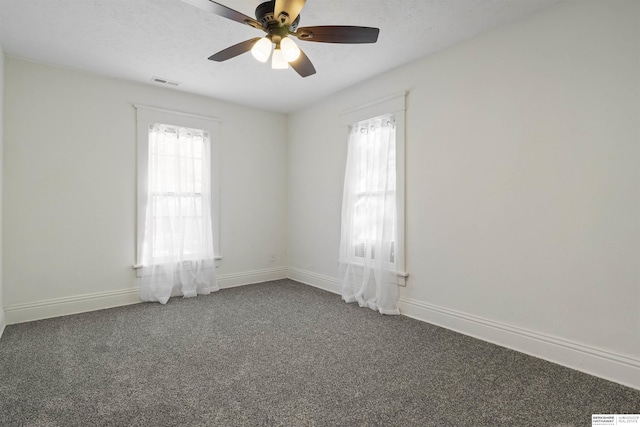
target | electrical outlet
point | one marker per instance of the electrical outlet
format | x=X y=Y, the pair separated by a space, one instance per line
x=272 y=258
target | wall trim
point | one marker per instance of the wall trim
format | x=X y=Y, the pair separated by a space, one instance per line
x=232 y=280
x=610 y=366
x=392 y=103
x=316 y=280
x=2 y=321
x=153 y=110
x=44 y=309
x=55 y=307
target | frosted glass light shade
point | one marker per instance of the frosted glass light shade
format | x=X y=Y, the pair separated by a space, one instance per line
x=262 y=49
x=278 y=61
x=290 y=50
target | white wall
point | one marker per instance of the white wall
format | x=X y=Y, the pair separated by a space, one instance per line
x=2 y=317
x=70 y=174
x=523 y=215
x=522 y=199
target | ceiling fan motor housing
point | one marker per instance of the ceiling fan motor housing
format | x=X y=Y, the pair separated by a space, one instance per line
x=264 y=14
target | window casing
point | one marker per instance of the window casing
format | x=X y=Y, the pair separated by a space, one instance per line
x=394 y=107
x=202 y=136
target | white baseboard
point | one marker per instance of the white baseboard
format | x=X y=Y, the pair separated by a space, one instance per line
x=2 y=321
x=249 y=277
x=610 y=366
x=45 y=309
x=316 y=280
x=55 y=307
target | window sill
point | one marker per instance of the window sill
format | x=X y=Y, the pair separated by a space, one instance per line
x=142 y=270
x=402 y=275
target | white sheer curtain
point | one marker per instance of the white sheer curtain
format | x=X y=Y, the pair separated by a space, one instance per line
x=369 y=225
x=177 y=250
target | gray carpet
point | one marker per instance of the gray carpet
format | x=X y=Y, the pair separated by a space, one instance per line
x=280 y=353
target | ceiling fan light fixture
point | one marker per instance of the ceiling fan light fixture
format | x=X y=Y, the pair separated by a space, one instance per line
x=262 y=49
x=280 y=19
x=278 y=61
x=290 y=49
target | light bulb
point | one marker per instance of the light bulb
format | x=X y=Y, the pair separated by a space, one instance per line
x=290 y=50
x=262 y=49
x=278 y=61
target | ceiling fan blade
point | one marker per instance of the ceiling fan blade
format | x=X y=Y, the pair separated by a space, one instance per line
x=291 y=7
x=224 y=11
x=338 y=34
x=233 y=51
x=303 y=65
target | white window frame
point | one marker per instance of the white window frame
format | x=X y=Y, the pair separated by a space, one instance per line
x=393 y=104
x=148 y=116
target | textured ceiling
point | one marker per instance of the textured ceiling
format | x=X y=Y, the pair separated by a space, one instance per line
x=139 y=39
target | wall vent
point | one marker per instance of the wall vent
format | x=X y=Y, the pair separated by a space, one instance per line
x=164 y=81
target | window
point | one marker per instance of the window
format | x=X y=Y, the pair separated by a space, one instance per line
x=388 y=114
x=178 y=189
x=177 y=180
x=372 y=145
x=372 y=231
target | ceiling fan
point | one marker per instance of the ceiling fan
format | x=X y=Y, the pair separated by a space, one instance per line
x=280 y=19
